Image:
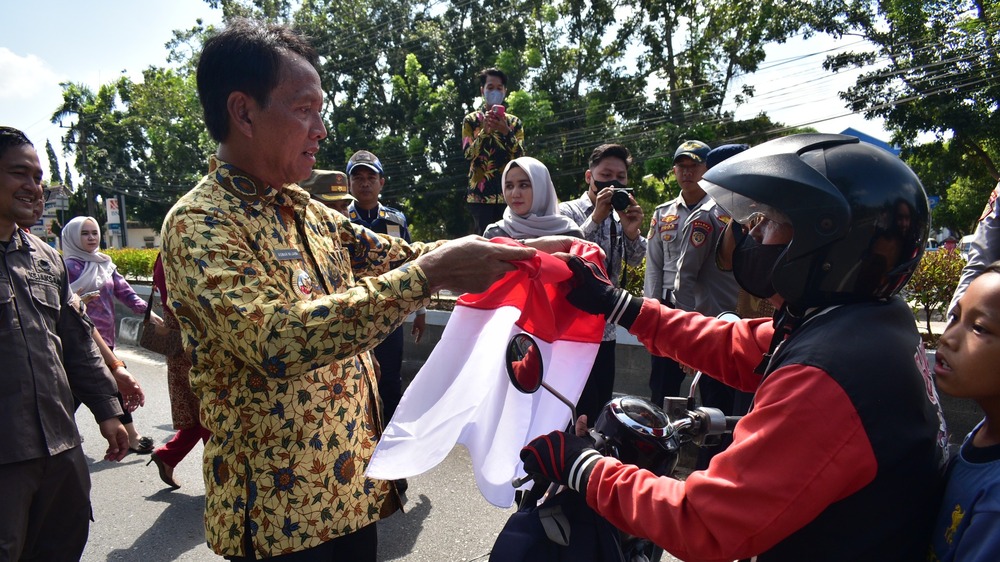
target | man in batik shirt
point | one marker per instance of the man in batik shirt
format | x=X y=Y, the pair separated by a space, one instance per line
x=490 y=138
x=278 y=299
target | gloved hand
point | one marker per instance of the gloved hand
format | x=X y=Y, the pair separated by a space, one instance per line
x=562 y=458
x=593 y=292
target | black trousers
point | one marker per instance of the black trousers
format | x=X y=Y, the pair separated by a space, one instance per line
x=45 y=511
x=665 y=379
x=600 y=383
x=390 y=359
x=359 y=546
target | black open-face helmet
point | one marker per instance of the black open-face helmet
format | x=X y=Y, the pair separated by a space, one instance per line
x=859 y=214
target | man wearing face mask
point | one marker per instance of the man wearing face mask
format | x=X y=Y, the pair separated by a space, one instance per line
x=491 y=137
x=824 y=467
x=618 y=234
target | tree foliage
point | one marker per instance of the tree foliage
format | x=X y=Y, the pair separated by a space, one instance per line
x=933 y=70
x=932 y=285
x=400 y=75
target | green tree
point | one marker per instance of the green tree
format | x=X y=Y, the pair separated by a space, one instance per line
x=932 y=285
x=932 y=70
x=54 y=177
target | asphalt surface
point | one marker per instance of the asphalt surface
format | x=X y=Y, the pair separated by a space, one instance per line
x=137 y=517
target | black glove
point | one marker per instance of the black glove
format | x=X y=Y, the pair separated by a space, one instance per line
x=592 y=292
x=562 y=458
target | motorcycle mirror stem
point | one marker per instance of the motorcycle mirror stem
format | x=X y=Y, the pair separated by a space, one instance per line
x=524 y=369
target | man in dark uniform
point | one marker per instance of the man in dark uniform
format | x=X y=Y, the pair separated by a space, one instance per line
x=49 y=357
x=367 y=179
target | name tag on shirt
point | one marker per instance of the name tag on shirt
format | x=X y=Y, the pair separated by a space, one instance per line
x=284 y=254
x=392 y=230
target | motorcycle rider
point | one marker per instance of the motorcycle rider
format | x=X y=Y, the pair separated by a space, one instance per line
x=840 y=456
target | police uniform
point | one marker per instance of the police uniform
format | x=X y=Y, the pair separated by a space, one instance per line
x=663 y=249
x=389 y=353
x=702 y=287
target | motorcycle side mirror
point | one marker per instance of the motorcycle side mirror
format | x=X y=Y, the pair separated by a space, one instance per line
x=728 y=317
x=524 y=364
x=524 y=368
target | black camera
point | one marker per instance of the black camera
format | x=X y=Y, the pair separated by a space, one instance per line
x=620 y=198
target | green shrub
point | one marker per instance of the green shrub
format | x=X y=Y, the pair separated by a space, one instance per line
x=134 y=264
x=932 y=285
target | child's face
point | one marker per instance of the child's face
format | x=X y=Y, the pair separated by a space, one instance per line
x=968 y=355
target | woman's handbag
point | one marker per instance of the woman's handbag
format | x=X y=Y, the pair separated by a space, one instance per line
x=158 y=339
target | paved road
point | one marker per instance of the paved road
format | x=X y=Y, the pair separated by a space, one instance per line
x=139 y=518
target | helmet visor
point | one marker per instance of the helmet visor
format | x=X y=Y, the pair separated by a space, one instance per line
x=742 y=209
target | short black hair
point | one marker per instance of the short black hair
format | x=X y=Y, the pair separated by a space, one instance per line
x=492 y=72
x=245 y=57
x=993 y=267
x=610 y=151
x=11 y=137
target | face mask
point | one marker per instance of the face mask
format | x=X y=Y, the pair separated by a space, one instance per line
x=493 y=97
x=612 y=183
x=753 y=266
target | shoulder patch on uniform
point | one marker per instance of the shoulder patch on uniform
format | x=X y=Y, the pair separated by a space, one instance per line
x=700 y=230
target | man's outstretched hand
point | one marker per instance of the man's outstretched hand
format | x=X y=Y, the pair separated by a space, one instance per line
x=470 y=264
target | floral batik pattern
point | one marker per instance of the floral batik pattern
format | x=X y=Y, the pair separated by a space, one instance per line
x=488 y=155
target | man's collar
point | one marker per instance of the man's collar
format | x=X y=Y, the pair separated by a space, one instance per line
x=18 y=241
x=252 y=190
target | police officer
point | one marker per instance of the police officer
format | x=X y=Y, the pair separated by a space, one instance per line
x=700 y=285
x=366 y=181
x=663 y=249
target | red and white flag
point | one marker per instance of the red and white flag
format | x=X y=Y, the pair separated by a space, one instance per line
x=462 y=393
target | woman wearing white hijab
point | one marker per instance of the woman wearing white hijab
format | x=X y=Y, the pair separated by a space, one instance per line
x=532 y=206
x=95 y=278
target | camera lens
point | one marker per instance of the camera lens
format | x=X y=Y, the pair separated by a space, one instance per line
x=620 y=200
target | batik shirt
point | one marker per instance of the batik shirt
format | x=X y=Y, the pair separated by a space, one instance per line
x=488 y=155
x=277 y=296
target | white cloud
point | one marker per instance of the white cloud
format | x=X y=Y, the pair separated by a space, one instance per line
x=24 y=77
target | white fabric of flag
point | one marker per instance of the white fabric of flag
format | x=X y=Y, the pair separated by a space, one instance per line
x=462 y=394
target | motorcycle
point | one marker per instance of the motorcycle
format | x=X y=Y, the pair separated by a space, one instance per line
x=553 y=523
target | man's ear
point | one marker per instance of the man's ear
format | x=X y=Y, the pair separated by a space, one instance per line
x=241 y=112
x=587 y=176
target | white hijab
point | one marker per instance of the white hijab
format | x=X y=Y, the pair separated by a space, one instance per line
x=97 y=267
x=543 y=218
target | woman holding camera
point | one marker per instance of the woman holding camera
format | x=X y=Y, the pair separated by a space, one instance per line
x=532 y=206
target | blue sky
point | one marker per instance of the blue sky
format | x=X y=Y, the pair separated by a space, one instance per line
x=45 y=42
